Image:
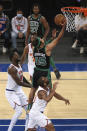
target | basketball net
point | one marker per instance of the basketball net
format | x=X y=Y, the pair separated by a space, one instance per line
x=70 y=13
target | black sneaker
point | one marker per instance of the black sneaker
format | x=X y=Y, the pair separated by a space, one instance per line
x=57 y=73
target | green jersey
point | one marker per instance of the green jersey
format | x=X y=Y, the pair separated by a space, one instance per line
x=42 y=61
x=36 y=26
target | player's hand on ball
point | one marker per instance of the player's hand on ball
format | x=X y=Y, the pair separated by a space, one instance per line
x=64 y=22
x=67 y=102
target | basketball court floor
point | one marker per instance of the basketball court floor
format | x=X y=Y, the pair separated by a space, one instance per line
x=72 y=85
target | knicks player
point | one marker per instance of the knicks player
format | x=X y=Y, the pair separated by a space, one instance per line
x=44 y=95
x=14 y=93
x=31 y=61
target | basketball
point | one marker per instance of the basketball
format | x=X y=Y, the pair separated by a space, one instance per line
x=59 y=19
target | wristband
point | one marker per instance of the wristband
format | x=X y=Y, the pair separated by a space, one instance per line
x=29 y=106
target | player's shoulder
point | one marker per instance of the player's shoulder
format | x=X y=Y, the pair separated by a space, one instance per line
x=12 y=69
x=41 y=90
x=42 y=17
x=42 y=93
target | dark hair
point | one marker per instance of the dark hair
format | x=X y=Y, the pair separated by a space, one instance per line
x=40 y=81
x=35 y=43
x=35 y=4
x=12 y=54
x=19 y=10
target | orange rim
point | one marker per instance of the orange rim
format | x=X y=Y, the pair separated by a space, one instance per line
x=74 y=9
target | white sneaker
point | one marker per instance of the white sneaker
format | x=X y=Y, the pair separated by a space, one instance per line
x=74 y=45
x=4 y=49
x=81 y=50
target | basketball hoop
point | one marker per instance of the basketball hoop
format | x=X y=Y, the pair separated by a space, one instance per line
x=70 y=13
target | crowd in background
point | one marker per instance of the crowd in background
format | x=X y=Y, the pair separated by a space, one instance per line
x=16 y=28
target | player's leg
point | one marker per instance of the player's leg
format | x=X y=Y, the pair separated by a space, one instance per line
x=18 y=112
x=56 y=71
x=37 y=74
x=31 y=122
x=43 y=121
x=31 y=71
x=49 y=78
x=50 y=127
x=15 y=103
x=35 y=78
x=24 y=103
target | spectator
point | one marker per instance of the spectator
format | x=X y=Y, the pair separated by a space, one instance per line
x=37 y=24
x=81 y=28
x=19 y=27
x=4 y=29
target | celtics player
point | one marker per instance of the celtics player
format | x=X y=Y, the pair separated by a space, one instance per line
x=42 y=55
x=38 y=24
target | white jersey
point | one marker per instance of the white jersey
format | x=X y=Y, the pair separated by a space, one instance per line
x=39 y=104
x=11 y=84
x=31 y=60
x=19 y=25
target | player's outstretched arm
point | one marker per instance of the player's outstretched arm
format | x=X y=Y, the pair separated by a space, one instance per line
x=23 y=57
x=13 y=72
x=43 y=94
x=59 y=97
x=51 y=45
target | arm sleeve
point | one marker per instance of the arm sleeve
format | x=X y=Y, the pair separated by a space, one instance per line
x=13 y=26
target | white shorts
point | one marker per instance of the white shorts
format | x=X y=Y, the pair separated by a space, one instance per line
x=37 y=118
x=16 y=99
x=31 y=69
